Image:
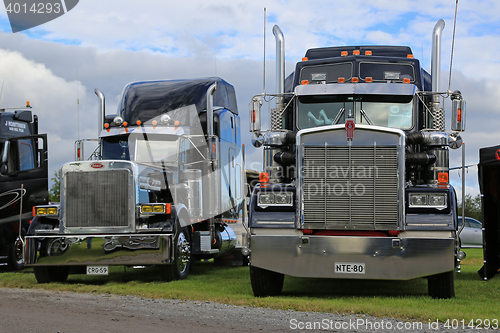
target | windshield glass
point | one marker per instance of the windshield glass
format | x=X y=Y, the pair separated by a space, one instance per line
x=141 y=148
x=380 y=110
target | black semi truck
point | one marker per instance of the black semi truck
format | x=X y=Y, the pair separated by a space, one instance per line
x=23 y=179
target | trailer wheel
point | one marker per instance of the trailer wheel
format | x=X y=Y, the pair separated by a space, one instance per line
x=442 y=285
x=179 y=269
x=16 y=261
x=48 y=274
x=265 y=283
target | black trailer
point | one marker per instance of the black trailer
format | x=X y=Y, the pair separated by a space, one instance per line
x=23 y=179
x=489 y=183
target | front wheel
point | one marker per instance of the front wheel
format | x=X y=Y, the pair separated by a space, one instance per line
x=265 y=283
x=442 y=285
x=16 y=261
x=48 y=274
x=179 y=269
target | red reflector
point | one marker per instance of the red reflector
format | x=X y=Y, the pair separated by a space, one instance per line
x=307 y=231
x=264 y=177
x=253 y=116
x=443 y=177
x=459 y=115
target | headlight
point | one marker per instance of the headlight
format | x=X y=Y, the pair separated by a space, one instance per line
x=46 y=211
x=428 y=200
x=265 y=199
x=155 y=208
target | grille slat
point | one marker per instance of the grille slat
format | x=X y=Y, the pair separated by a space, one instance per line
x=97 y=199
x=350 y=187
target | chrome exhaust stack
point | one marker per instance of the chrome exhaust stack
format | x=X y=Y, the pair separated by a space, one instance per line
x=437 y=111
x=102 y=111
x=276 y=119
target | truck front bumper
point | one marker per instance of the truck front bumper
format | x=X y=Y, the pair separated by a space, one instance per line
x=384 y=258
x=118 y=249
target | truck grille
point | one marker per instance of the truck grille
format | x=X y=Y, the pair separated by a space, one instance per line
x=97 y=199
x=350 y=187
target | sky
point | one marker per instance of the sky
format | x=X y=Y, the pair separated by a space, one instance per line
x=107 y=44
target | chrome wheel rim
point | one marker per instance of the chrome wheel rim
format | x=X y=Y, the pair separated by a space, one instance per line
x=183 y=253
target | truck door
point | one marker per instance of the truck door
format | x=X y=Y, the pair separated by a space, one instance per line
x=23 y=161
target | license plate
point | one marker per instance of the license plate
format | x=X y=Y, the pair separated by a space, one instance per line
x=97 y=270
x=349 y=268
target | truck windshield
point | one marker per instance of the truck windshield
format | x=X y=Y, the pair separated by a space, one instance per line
x=380 y=110
x=141 y=148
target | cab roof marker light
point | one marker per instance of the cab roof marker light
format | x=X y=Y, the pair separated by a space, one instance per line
x=409 y=56
x=343 y=53
x=368 y=53
x=356 y=52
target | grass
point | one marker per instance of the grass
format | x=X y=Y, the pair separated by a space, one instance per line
x=407 y=300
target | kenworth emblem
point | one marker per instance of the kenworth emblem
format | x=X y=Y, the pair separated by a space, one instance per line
x=349 y=126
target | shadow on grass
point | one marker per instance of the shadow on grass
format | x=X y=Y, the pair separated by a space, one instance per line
x=327 y=288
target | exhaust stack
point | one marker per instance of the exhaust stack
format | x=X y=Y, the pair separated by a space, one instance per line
x=276 y=121
x=102 y=111
x=437 y=112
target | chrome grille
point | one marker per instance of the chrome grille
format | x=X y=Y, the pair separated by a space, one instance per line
x=96 y=199
x=350 y=187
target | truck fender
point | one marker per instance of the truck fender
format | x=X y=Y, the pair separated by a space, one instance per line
x=183 y=213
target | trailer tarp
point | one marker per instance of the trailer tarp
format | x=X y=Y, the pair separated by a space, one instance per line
x=148 y=99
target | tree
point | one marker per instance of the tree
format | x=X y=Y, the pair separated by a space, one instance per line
x=472 y=207
x=55 y=190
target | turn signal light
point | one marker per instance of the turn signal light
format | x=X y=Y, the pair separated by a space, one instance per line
x=264 y=177
x=305 y=59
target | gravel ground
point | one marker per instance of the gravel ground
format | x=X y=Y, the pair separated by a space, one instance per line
x=28 y=310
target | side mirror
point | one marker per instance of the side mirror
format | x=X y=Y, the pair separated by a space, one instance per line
x=457 y=112
x=3 y=169
x=255 y=106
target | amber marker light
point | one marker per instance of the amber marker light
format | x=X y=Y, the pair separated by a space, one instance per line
x=355 y=79
x=341 y=80
x=305 y=59
x=125 y=124
x=106 y=125
x=406 y=80
x=138 y=122
x=155 y=122
x=368 y=53
x=343 y=53
x=409 y=56
x=304 y=82
x=368 y=79
x=356 y=52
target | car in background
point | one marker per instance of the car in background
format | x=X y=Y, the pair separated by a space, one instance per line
x=472 y=235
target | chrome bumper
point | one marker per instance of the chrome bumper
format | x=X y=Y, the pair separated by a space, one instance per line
x=116 y=249
x=385 y=258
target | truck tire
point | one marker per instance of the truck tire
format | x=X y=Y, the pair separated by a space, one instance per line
x=265 y=283
x=48 y=274
x=16 y=261
x=442 y=285
x=179 y=269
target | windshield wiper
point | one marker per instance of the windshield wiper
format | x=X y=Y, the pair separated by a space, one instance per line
x=368 y=120
x=339 y=115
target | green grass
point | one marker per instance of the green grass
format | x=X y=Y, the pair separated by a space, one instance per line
x=407 y=300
